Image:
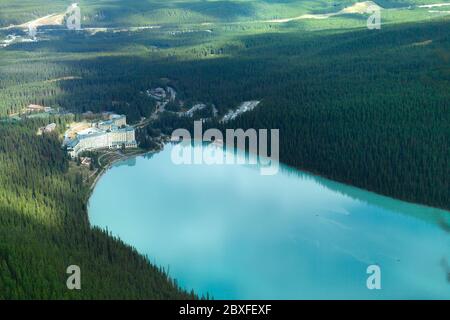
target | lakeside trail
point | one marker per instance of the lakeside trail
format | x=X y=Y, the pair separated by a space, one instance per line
x=100 y=172
x=103 y=169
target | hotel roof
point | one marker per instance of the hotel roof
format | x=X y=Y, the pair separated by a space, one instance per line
x=117 y=116
x=73 y=143
x=89 y=131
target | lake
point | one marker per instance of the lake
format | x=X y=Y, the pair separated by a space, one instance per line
x=231 y=232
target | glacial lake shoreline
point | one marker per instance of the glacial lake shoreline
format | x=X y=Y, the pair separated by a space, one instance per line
x=312 y=211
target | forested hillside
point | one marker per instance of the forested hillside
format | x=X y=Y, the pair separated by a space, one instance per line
x=101 y=13
x=373 y=111
x=370 y=108
x=44 y=229
x=363 y=107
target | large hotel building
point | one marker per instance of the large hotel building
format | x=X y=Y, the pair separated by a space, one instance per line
x=111 y=134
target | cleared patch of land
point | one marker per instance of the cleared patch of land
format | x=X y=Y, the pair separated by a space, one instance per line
x=63 y=79
x=75 y=128
x=437 y=5
x=357 y=8
x=55 y=19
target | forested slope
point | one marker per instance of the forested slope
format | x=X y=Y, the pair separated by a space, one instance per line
x=44 y=229
x=372 y=111
x=100 y=13
x=364 y=108
x=367 y=107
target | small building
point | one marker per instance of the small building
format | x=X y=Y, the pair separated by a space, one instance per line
x=35 y=108
x=158 y=93
x=86 y=161
x=48 y=128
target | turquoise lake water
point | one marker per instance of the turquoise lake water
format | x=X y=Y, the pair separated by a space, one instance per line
x=236 y=234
